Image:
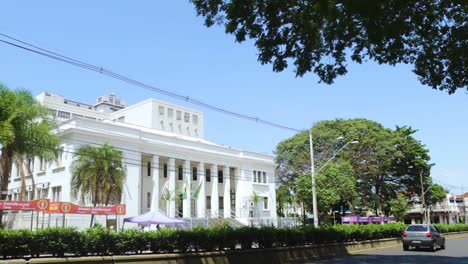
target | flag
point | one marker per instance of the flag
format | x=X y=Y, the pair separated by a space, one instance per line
x=166 y=195
x=197 y=191
x=184 y=190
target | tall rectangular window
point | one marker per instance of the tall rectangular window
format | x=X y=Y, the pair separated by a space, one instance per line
x=220 y=176
x=56 y=193
x=264 y=177
x=60 y=157
x=194 y=173
x=178 y=115
x=208 y=175
x=181 y=174
x=221 y=203
x=255 y=176
x=208 y=202
x=42 y=164
x=170 y=113
x=265 y=203
x=186 y=117
x=165 y=170
x=195 y=119
x=161 y=110
x=148 y=168
x=148 y=200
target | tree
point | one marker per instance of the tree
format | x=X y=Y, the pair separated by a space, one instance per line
x=336 y=187
x=321 y=36
x=399 y=206
x=98 y=173
x=25 y=132
x=284 y=198
x=380 y=162
x=437 y=193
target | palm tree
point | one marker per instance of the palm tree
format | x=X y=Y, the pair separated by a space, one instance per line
x=25 y=131
x=98 y=173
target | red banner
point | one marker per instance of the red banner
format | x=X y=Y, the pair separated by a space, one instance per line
x=36 y=205
x=69 y=208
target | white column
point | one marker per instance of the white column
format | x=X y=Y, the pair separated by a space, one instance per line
x=227 y=192
x=214 y=191
x=172 y=175
x=155 y=179
x=132 y=188
x=187 y=180
x=201 y=201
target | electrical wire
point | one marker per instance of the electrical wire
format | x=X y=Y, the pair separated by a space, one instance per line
x=101 y=70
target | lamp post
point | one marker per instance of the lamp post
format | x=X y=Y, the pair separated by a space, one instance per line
x=312 y=173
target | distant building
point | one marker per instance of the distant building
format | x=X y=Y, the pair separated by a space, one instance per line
x=161 y=143
x=451 y=210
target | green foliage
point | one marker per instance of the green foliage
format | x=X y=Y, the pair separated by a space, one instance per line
x=99 y=172
x=399 y=207
x=25 y=131
x=62 y=242
x=321 y=36
x=368 y=174
x=437 y=193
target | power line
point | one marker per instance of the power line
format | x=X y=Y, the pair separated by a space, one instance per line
x=101 y=70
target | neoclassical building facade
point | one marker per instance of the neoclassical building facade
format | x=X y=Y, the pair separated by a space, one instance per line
x=169 y=165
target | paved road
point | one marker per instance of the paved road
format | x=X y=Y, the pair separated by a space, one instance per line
x=456 y=252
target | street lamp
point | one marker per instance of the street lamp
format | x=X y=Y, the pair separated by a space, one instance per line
x=312 y=172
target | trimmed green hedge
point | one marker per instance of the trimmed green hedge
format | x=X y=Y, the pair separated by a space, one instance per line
x=100 y=241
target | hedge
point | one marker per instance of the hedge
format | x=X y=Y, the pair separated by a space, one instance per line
x=100 y=241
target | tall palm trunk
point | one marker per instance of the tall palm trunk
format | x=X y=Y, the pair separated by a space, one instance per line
x=7 y=155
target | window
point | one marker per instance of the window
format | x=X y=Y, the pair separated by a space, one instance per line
x=60 y=157
x=121 y=119
x=42 y=193
x=29 y=196
x=42 y=164
x=195 y=119
x=265 y=203
x=181 y=175
x=52 y=112
x=264 y=177
x=194 y=173
x=165 y=170
x=148 y=200
x=148 y=169
x=208 y=202
x=78 y=115
x=259 y=176
x=63 y=114
x=179 y=115
x=161 y=110
x=56 y=193
x=186 y=117
x=170 y=113
x=208 y=175
x=221 y=203
x=417 y=228
x=220 y=176
x=30 y=166
x=255 y=176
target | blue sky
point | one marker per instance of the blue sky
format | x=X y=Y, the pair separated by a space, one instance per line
x=164 y=44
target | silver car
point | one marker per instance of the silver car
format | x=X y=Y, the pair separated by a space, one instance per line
x=423 y=235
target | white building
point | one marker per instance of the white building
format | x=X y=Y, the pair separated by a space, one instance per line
x=161 y=142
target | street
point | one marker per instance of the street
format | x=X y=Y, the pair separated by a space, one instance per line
x=456 y=252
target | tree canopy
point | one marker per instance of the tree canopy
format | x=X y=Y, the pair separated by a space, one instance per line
x=321 y=36
x=367 y=175
x=25 y=132
x=98 y=173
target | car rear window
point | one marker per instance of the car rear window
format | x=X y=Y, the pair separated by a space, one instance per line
x=417 y=228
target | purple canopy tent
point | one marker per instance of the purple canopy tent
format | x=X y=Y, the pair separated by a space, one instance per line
x=154 y=217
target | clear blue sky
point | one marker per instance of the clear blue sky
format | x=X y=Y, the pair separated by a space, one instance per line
x=163 y=43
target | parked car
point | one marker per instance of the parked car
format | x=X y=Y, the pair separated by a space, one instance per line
x=422 y=235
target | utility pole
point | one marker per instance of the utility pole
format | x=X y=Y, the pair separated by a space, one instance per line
x=422 y=199
x=312 y=173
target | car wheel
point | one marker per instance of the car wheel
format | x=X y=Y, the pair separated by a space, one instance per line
x=405 y=247
x=434 y=247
